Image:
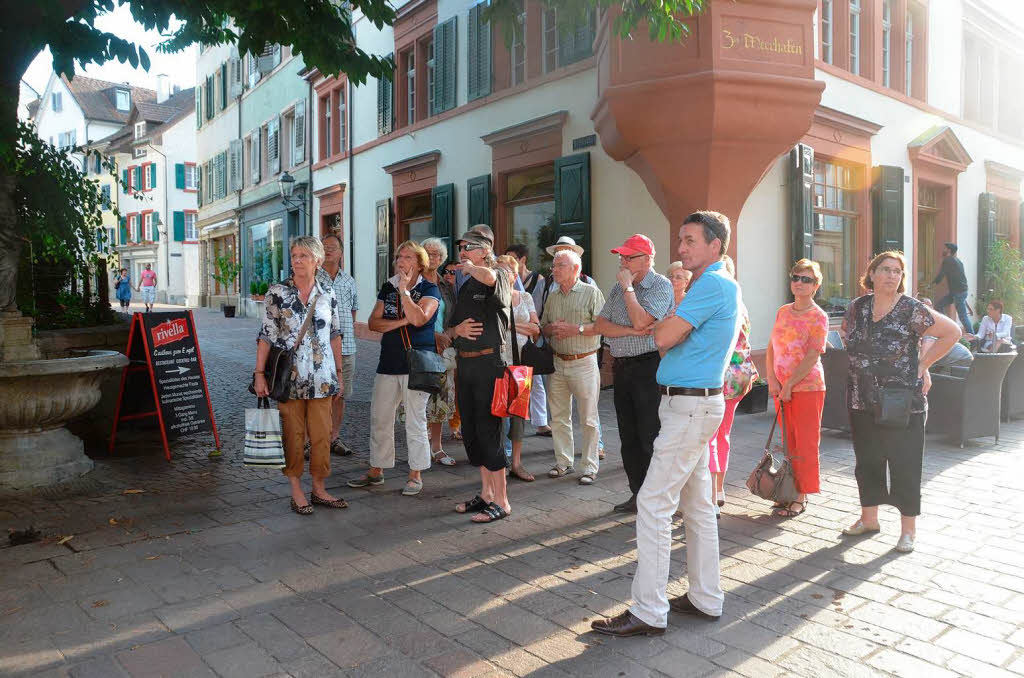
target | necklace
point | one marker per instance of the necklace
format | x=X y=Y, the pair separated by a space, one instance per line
x=876 y=316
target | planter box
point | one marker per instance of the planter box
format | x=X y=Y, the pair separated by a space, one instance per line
x=755 y=401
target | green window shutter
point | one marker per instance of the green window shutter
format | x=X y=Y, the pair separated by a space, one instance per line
x=122 y=226
x=124 y=180
x=987 y=211
x=478 y=193
x=137 y=227
x=179 y=175
x=444 y=66
x=138 y=178
x=383 y=241
x=154 y=232
x=801 y=207
x=179 y=226
x=572 y=201
x=152 y=175
x=887 y=207
x=442 y=215
x=209 y=97
x=478 y=39
x=385 y=105
x=223 y=85
x=199 y=106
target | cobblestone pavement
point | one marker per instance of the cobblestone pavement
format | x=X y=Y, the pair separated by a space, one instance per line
x=207 y=572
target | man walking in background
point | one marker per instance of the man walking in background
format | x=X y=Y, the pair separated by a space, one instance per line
x=952 y=270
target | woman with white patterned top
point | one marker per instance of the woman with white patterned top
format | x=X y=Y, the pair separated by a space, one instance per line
x=316 y=379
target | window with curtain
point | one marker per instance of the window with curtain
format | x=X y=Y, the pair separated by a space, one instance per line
x=836 y=215
x=530 y=213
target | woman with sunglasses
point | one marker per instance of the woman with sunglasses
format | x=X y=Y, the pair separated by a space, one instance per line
x=796 y=379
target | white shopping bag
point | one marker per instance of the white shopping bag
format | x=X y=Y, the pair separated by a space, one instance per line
x=263 y=448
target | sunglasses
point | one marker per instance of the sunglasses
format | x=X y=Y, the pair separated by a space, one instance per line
x=467 y=248
x=803 y=278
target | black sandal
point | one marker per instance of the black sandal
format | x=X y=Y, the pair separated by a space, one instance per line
x=474 y=505
x=329 y=503
x=493 y=512
x=787 y=512
x=306 y=510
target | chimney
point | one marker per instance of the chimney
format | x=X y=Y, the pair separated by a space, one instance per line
x=163 y=89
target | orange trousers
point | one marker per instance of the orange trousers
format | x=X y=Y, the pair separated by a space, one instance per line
x=803 y=437
x=302 y=418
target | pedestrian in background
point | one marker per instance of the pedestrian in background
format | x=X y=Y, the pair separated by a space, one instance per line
x=404 y=315
x=568 y=323
x=147 y=286
x=123 y=288
x=639 y=298
x=680 y=279
x=952 y=271
x=316 y=378
x=796 y=379
x=883 y=331
x=344 y=286
x=440 y=406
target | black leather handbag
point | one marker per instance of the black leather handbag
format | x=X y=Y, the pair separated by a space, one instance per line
x=538 y=356
x=278 y=368
x=892 y=406
x=426 y=366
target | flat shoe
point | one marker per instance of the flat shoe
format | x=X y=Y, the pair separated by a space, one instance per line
x=587 y=479
x=340 y=449
x=905 y=544
x=367 y=480
x=859 y=528
x=306 y=510
x=558 y=471
x=443 y=458
x=329 y=503
x=412 y=488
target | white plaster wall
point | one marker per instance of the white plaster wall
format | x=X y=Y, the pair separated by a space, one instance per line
x=179 y=143
x=216 y=134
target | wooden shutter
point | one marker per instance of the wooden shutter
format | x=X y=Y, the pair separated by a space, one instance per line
x=235 y=165
x=479 y=53
x=179 y=226
x=138 y=178
x=444 y=66
x=209 y=97
x=223 y=85
x=274 y=145
x=199 y=106
x=572 y=201
x=122 y=226
x=153 y=230
x=222 y=178
x=887 y=207
x=299 y=130
x=124 y=180
x=442 y=213
x=987 y=216
x=235 y=76
x=383 y=241
x=152 y=175
x=254 y=156
x=386 y=104
x=801 y=206
x=478 y=194
x=179 y=175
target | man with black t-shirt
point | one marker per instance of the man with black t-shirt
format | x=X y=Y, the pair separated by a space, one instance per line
x=952 y=270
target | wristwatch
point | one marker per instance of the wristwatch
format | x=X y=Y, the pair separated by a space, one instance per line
x=581 y=329
x=629 y=289
x=407 y=293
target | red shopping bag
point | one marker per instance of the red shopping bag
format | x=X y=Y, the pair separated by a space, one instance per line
x=512 y=392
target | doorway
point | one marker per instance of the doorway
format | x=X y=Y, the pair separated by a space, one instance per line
x=929 y=243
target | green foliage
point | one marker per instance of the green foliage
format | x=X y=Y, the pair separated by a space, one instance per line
x=74 y=310
x=1004 y=276
x=227 y=270
x=262 y=287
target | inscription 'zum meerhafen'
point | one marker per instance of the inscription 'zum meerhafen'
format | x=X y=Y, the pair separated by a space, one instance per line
x=752 y=41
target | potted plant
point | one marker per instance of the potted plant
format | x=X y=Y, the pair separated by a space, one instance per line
x=756 y=400
x=226 y=272
x=257 y=290
x=264 y=286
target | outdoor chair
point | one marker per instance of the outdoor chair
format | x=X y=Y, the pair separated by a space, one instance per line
x=836 y=365
x=969 y=407
x=1013 y=390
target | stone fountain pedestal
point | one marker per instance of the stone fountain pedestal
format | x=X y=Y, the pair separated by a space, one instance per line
x=37 y=398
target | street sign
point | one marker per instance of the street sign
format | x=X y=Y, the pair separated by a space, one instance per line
x=165 y=378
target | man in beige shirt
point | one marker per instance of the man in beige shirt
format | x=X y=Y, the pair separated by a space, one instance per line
x=568 y=322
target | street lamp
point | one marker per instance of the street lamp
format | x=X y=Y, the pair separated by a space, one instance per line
x=286 y=184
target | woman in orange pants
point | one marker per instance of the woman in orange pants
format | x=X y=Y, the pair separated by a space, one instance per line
x=796 y=379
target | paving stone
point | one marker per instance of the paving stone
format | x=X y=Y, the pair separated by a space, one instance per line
x=100 y=667
x=680 y=664
x=312 y=619
x=348 y=648
x=975 y=646
x=458 y=664
x=119 y=603
x=243 y=661
x=196 y=614
x=393 y=666
x=216 y=638
x=171 y=657
x=312 y=664
x=808 y=661
x=905 y=666
x=271 y=634
x=747 y=665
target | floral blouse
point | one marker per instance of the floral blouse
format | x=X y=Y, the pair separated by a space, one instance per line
x=884 y=353
x=741 y=373
x=313 y=371
x=794 y=335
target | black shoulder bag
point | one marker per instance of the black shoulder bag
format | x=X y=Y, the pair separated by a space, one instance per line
x=278 y=370
x=426 y=366
x=892 y=402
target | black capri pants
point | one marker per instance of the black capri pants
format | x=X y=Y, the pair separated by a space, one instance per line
x=901 y=452
x=482 y=432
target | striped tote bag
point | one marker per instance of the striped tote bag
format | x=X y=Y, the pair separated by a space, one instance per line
x=263 y=448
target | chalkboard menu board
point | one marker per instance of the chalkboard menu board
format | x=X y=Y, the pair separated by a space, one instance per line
x=165 y=378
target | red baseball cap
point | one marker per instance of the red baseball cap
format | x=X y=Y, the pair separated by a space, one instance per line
x=635 y=244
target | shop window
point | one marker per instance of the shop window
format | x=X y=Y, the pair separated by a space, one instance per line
x=836 y=216
x=530 y=213
x=265 y=252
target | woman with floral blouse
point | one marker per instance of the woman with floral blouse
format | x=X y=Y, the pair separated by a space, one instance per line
x=316 y=370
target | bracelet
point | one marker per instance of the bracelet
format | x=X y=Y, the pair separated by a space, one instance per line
x=260 y=372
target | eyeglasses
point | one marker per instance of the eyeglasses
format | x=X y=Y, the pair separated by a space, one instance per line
x=623 y=257
x=449 y=271
x=888 y=270
x=467 y=248
x=301 y=257
x=803 y=279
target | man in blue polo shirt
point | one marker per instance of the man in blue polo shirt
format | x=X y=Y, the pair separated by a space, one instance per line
x=696 y=343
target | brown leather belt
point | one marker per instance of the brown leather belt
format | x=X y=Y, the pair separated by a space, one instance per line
x=475 y=354
x=687 y=391
x=575 y=356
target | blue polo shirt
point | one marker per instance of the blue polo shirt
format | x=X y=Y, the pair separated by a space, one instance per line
x=712 y=306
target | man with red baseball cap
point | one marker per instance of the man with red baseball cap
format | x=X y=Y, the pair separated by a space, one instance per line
x=640 y=298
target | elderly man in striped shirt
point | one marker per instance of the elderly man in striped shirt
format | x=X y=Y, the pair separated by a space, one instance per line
x=640 y=298
x=568 y=321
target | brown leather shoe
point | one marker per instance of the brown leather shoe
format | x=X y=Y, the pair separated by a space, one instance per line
x=624 y=626
x=683 y=605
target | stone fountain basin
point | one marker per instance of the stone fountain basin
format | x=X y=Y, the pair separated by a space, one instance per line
x=37 y=399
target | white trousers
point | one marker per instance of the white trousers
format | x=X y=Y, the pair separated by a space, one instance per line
x=538 y=402
x=577 y=379
x=388 y=391
x=679 y=476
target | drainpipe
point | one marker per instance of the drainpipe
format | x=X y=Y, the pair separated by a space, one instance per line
x=350 y=109
x=309 y=158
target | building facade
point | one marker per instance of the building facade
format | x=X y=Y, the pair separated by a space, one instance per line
x=825 y=128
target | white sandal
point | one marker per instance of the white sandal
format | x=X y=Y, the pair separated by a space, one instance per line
x=443 y=458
